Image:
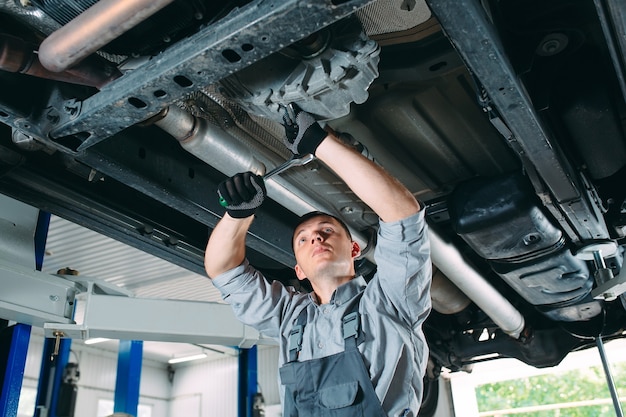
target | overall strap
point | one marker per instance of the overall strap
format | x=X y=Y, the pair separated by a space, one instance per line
x=350 y=325
x=295 y=336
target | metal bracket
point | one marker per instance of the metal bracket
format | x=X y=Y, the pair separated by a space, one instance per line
x=611 y=289
x=32 y=297
x=129 y=318
x=102 y=310
x=608 y=286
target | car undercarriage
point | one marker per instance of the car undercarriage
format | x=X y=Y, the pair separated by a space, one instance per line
x=504 y=117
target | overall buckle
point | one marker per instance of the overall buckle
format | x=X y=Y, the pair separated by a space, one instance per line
x=295 y=341
x=351 y=325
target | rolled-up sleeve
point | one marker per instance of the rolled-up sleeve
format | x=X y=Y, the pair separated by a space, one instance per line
x=254 y=300
x=404 y=268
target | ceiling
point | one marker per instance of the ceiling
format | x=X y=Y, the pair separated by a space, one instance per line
x=97 y=256
x=146 y=276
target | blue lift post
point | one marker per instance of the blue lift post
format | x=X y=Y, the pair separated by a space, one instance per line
x=13 y=349
x=51 y=375
x=248 y=381
x=41 y=236
x=128 y=378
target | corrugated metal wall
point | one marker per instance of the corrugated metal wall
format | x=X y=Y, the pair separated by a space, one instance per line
x=268 y=373
x=206 y=389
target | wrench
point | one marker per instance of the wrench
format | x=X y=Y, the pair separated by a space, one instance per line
x=296 y=161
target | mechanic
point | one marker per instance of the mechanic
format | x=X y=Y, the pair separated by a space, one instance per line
x=351 y=347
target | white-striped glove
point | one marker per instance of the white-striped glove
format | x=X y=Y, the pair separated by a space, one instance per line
x=303 y=133
x=242 y=194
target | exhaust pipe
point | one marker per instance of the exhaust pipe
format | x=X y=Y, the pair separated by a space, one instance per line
x=18 y=56
x=94 y=28
x=445 y=296
x=221 y=150
x=471 y=283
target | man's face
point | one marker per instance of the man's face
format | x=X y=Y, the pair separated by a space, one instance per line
x=322 y=248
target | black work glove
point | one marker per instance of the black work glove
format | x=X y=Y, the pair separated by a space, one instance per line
x=303 y=133
x=242 y=194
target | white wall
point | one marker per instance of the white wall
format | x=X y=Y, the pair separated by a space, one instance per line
x=206 y=388
x=209 y=388
x=268 y=373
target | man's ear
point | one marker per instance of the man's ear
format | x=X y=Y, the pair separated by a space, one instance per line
x=356 y=249
x=299 y=272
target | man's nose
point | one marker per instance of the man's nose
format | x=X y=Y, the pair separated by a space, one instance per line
x=317 y=237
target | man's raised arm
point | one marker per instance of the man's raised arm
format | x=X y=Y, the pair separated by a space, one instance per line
x=242 y=194
x=384 y=194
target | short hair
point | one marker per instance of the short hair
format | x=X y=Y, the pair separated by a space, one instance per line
x=308 y=216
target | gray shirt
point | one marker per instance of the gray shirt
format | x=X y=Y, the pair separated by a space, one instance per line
x=393 y=307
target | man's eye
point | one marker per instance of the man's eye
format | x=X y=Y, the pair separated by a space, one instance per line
x=328 y=230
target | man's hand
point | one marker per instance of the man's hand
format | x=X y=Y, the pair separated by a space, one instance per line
x=303 y=133
x=243 y=194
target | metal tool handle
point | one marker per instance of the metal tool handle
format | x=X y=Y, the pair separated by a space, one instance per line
x=296 y=161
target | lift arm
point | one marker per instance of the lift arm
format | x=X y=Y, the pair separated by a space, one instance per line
x=76 y=307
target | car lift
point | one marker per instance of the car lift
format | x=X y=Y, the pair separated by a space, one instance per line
x=72 y=307
x=44 y=300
